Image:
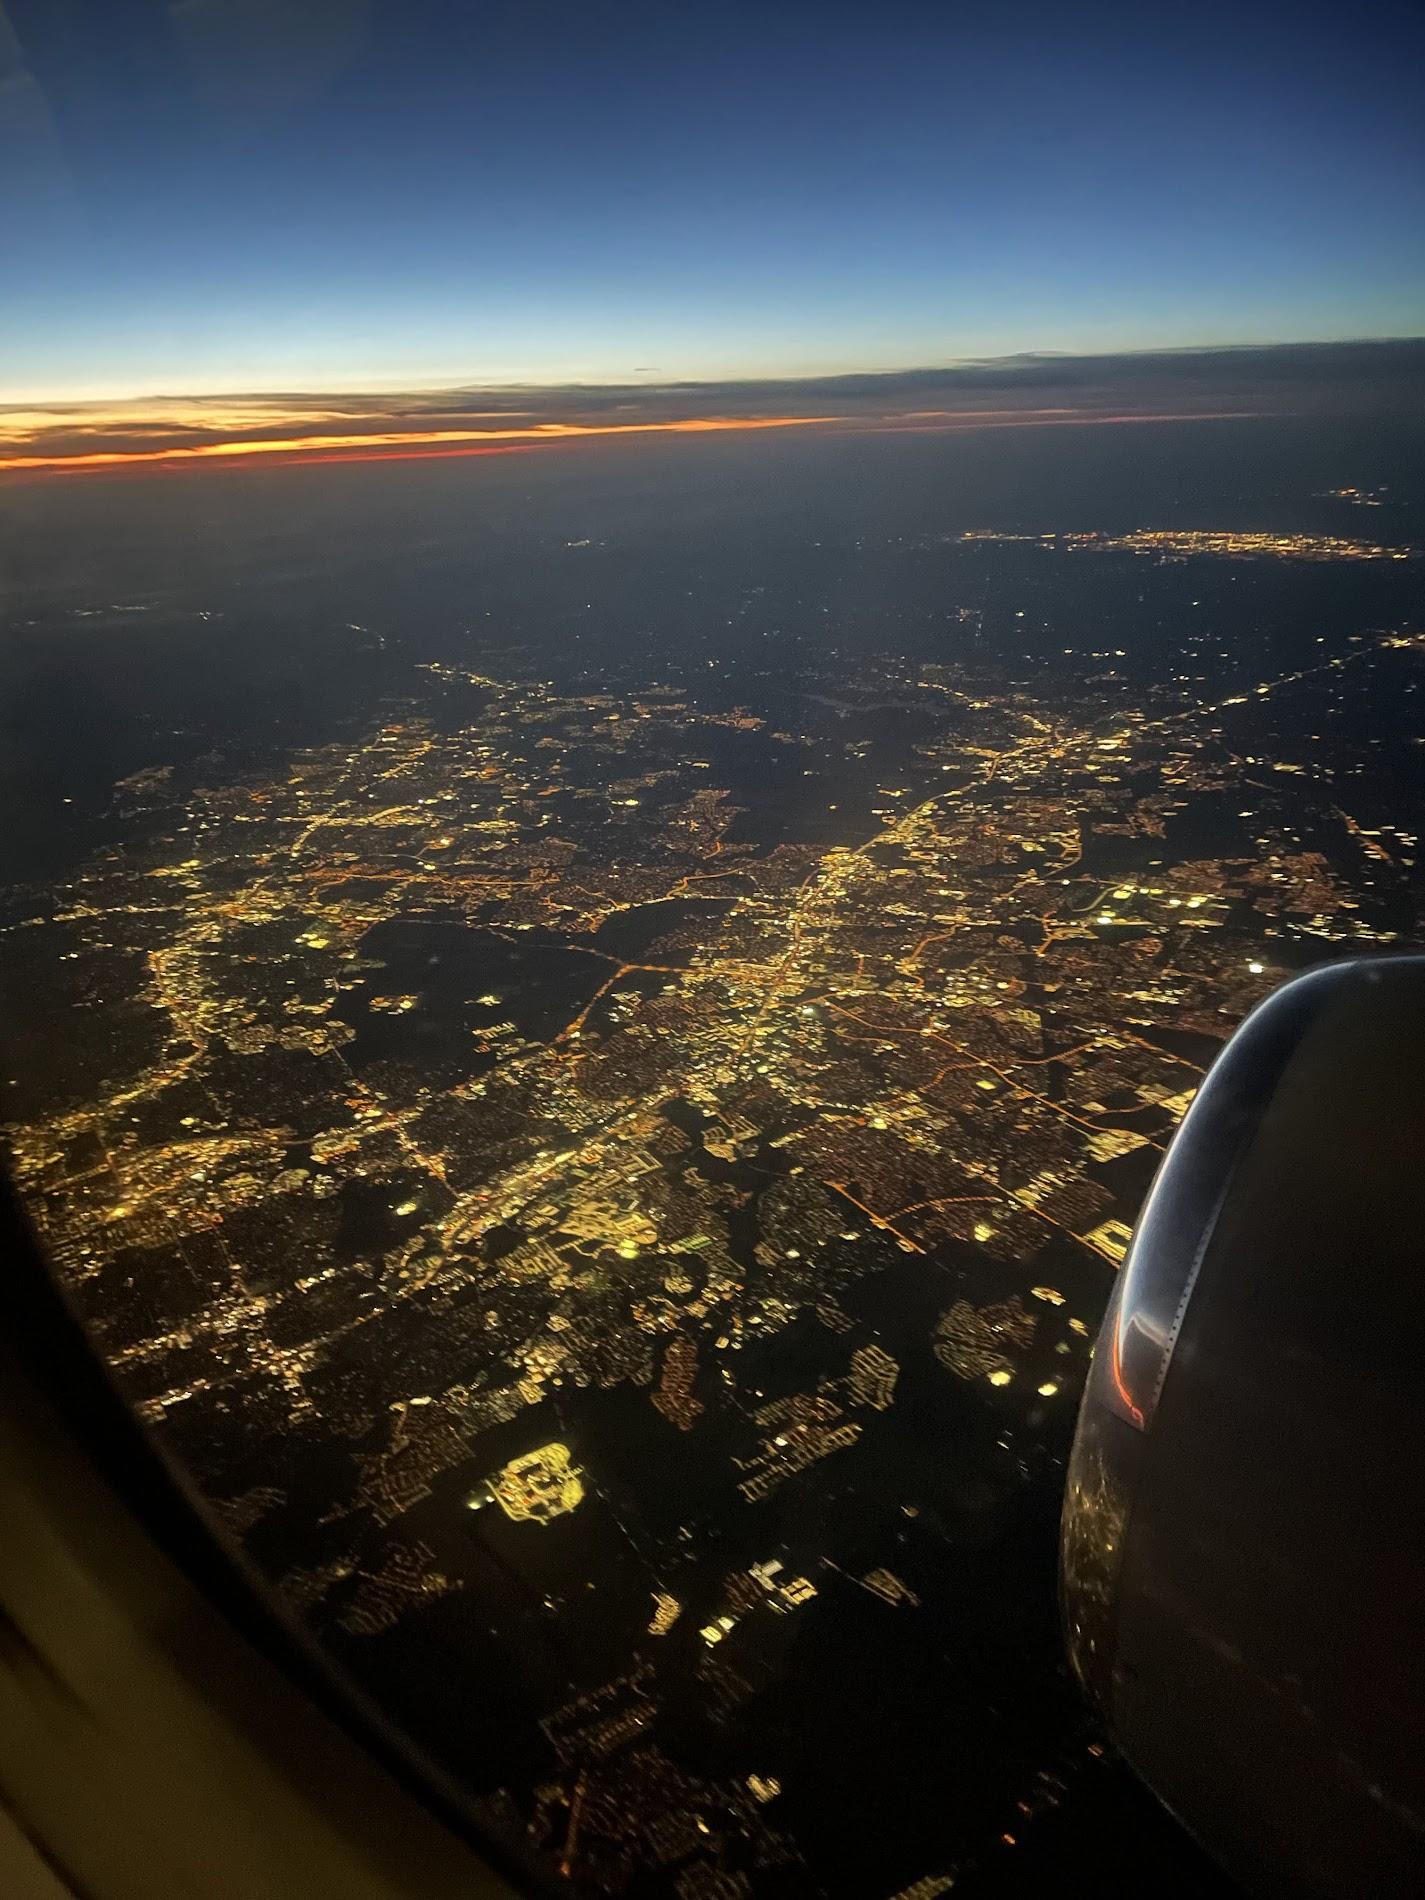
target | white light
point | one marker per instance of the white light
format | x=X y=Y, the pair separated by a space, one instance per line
x=1256 y=968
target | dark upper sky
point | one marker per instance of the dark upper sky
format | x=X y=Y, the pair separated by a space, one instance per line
x=207 y=195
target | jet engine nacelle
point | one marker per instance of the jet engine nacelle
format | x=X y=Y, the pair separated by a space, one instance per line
x=1243 y=1547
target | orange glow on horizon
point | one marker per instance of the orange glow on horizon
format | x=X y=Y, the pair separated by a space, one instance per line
x=379 y=445
x=322 y=458
x=373 y=446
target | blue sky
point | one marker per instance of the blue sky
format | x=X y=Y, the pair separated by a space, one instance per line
x=213 y=195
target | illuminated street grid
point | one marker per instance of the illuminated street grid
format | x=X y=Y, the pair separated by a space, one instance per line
x=1179 y=544
x=362 y=1285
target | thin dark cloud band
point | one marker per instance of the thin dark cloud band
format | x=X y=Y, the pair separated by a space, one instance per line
x=44 y=440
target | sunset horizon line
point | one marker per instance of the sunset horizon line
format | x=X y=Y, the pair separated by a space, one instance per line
x=287 y=428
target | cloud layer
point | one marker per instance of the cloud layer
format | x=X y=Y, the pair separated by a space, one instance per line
x=45 y=441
